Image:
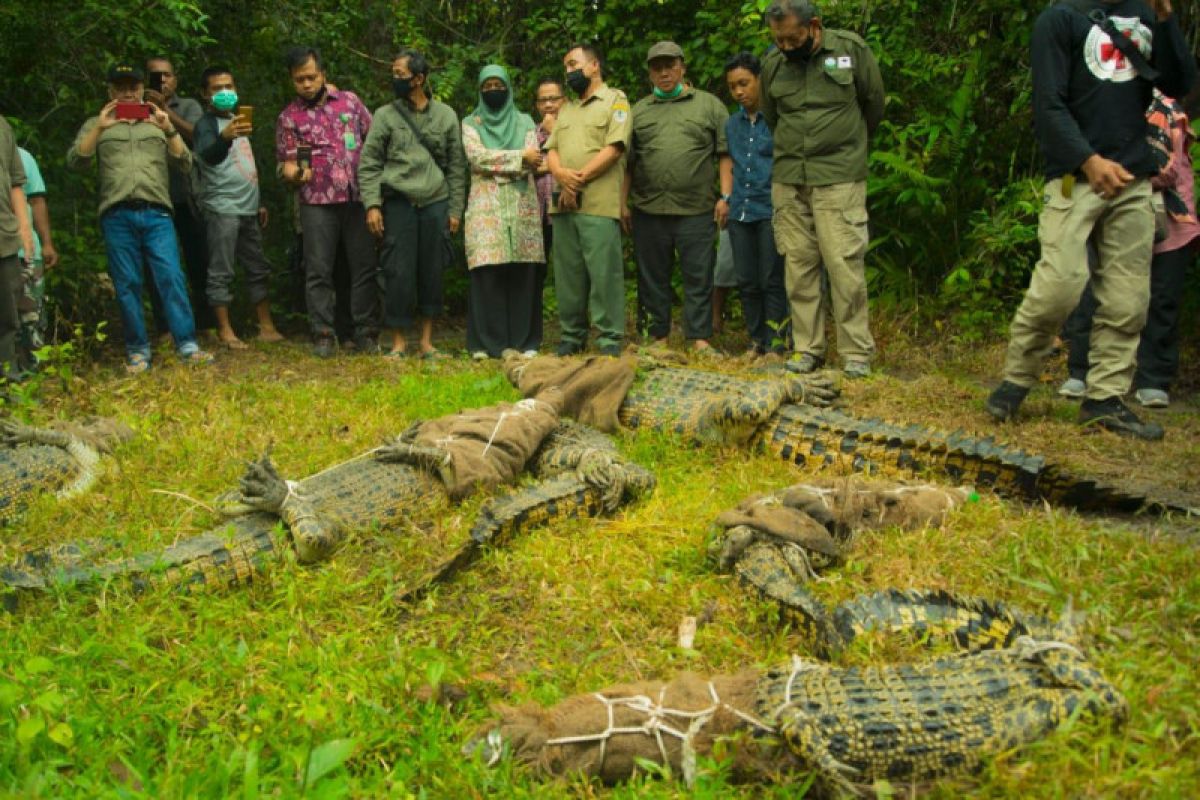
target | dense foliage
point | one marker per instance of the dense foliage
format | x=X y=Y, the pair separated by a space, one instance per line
x=954 y=188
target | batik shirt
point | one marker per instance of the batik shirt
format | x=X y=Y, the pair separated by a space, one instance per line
x=336 y=130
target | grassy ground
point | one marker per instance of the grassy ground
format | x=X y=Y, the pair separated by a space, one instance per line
x=316 y=675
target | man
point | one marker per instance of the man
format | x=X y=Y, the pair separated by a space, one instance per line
x=15 y=235
x=1090 y=95
x=43 y=257
x=133 y=152
x=184 y=113
x=822 y=95
x=227 y=192
x=549 y=97
x=670 y=201
x=586 y=153
x=331 y=125
x=757 y=262
x=414 y=186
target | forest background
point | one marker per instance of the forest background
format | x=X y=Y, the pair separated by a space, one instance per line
x=954 y=187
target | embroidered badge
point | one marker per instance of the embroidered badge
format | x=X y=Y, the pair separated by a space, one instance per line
x=844 y=62
x=830 y=62
x=1103 y=58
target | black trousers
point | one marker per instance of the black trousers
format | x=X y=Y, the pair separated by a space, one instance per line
x=499 y=309
x=656 y=239
x=1158 y=348
x=759 y=269
x=413 y=257
x=327 y=229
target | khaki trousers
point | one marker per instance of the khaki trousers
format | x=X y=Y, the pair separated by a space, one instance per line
x=1123 y=231
x=827 y=225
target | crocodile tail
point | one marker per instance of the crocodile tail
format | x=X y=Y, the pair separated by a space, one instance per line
x=970 y=623
x=815 y=437
x=762 y=566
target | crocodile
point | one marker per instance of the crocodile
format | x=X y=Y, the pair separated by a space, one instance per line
x=66 y=461
x=580 y=472
x=791 y=418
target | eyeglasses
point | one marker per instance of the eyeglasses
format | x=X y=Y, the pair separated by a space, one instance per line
x=551 y=99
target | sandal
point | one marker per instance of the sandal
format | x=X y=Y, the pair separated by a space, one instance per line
x=395 y=355
x=434 y=355
x=137 y=363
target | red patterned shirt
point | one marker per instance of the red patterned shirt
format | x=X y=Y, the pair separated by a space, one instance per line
x=336 y=130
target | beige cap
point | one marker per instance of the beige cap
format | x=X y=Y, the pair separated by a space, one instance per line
x=664 y=50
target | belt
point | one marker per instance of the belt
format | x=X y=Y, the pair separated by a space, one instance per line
x=139 y=205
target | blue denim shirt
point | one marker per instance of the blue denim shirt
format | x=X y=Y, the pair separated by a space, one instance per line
x=752 y=149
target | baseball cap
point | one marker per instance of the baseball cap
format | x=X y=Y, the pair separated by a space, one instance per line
x=664 y=50
x=122 y=71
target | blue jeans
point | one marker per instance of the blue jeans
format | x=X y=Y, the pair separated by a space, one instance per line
x=129 y=235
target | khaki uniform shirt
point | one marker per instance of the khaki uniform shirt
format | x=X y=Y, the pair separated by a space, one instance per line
x=12 y=173
x=584 y=129
x=133 y=160
x=823 y=112
x=673 y=155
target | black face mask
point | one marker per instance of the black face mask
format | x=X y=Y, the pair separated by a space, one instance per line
x=801 y=54
x=402 y=87
x=577 y=81
x=320 y=95
x=495 y=98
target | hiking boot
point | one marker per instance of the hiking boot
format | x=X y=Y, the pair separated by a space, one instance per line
x=1152 y=398
x=1112 y=415
x=1073 y=389
x=323 y=347
x=568 y=349
x=367 y=343
x=1004 y=402
x=855 y=370
x=803 y=363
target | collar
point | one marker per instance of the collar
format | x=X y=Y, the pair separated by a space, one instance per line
x=601 y=92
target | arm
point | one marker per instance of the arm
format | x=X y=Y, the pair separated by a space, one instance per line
x=1175 y=170
x=286 y=142
x=370 y=173
x=869 y=86
x=20 y=207
x=211 y=146
x=83 y=149
x=721 y=214
x=41 y=224
x=1172 y=56
x=766 y=104
x=602 y=161
x=456 y=173
x=177 y=152
x=1057 y=131
x=490 y=162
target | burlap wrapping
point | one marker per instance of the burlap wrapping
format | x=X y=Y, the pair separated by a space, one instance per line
x=530 y=730
x=593 y=388
x=490 y=446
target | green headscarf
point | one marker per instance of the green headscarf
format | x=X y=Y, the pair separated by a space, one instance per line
x=505 y=129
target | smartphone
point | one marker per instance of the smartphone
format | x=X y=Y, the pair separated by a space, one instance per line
x=154 y=81
x=133 y=111
x=246 y=113
x=304 y=156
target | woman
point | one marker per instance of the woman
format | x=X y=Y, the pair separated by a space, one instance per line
x=503 y=222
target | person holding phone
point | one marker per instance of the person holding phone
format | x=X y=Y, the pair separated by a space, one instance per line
x=133 y=143
x=227 y=192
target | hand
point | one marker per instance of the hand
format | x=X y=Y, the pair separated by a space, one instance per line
x=1162 y=8
x=155 y=98
x=49 y=255
x=721 y=213
x=570 y=179
x=532 y=157
x=626 y=219
x=264 y=217
x=295 y=175
x=454 y=224
x=238 y=126
x=375 y=222
x=548 y=123
x=1107 y=178
x=160 y=119
x=108 y=115
x=568 y=201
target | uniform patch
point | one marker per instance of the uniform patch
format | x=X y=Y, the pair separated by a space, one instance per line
x=1103 y=58
x=620 y=115
x=621 y=105
x=845 y=62
x=830 y=62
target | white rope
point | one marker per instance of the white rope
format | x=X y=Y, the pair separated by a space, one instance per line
x=1027 y=647
x=525 y=406
x=799 y=665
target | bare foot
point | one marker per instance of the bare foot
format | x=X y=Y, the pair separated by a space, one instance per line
x=270 y=335
x=234 y=343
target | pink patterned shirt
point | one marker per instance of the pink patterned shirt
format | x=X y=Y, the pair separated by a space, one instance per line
x=336 y=130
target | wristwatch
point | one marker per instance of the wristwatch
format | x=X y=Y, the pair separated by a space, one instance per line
x=726 y=197
x=171 y=134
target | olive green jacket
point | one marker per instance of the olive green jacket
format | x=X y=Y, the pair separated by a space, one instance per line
x=674 y=152
x=823 y=112
x=393 y=158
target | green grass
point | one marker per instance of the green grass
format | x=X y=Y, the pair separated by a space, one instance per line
x=316 y=682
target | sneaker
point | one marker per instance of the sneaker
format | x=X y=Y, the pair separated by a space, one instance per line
x=479 y=355
x=1152 y=398
x=1004 y=402
x=367 y=344
x=568 y=349
x=1073 y=389
x=137 y=363
x=1112 y=415
x=196 y=358
x=530 y=354
x=613 y=350
x=855 y=370
x=323 y=347
x=803 y=363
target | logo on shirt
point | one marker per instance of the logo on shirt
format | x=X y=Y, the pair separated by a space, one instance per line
x=1107 y=62
x=845 y=62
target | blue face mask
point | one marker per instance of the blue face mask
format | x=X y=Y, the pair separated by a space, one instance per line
x=225 y=100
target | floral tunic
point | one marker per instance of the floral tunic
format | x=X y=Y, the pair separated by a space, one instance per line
x=503 y=222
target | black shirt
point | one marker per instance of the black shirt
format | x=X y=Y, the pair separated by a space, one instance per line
x=1087 y=98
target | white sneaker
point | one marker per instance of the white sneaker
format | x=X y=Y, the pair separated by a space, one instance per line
x=1152 y=398
x=1073 y=388
x=479 y=355
x=530 y=353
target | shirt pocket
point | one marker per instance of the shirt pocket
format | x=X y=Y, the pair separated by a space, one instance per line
x=835 y=88
x=788 y=95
